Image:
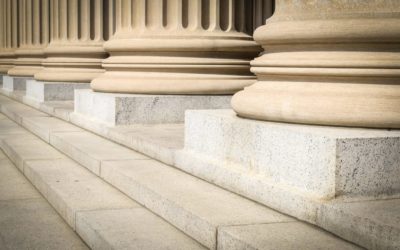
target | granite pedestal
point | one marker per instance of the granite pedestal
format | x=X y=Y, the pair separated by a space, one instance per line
x=11 y=83
x=320 y=161
x=39 y=91
x=125 y=109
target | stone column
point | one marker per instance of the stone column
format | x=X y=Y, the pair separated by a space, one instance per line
x=33 y=37
x=327 y=62
x=76 y=49
x=182 y=46
x=9 y=34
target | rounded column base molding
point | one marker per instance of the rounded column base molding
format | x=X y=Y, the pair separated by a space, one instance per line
x=64 y=74
x=5 y=68
x=24 y=71
x=170 y=83
x=321 y=103
x=71 y=63
x=177 y=66
x=28 y=62
x=6 y=62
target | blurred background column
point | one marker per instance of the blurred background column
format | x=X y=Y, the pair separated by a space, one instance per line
x=78 y=31
x=34 y=28
x=9 y=34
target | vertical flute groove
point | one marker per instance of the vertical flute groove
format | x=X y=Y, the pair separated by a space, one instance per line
x=36 y=22
x=45 y=22
x=154 y=14
x=98 y=17
x=85 y=20
x=73 y=19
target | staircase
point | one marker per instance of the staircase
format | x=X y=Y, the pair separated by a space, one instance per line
x=117 y=198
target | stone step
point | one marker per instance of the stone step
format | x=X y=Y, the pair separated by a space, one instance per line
x=196 y=207
x=27 y=221
x=87 y=203
x=289 y=236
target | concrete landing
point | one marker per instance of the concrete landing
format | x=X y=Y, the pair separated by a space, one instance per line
x=27 y=221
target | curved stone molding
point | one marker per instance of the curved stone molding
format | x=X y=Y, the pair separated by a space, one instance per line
x=328 y=63
x=182 y=46
x=9 y=34
x=33 y=37
x=78 y=31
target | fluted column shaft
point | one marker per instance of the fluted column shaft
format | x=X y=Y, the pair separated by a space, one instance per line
x=9 y=31
x=34 y=32
x=182 y=46
x=329 y=63
x=76 y=49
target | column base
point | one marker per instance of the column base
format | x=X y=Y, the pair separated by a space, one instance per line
x=38 y=91
x=124 y=109
x=308 y=162
x=24 y=71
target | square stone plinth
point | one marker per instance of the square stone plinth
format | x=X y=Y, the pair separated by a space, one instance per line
x=38 y=91
x=320 y=162
x=124 y=109
x=11 y=83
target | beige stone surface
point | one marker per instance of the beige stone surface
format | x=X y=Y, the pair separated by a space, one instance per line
x=91 y=150
x=345 y=220
x=70 y=188
x=182 y=47
x=17 y=111
x=375 y=223
x=135 y=228
x=9 y=128
x=107 y=219
x=27 y=221
x=192 y=205
x=288 y=236
x=43 y=126
x=13 y=185
x=21 y=148
x=33 y=224
x=329 y=63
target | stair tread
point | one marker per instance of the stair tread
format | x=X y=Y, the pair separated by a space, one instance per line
x=27 y=221
x=71 y=188
x=44 y=126
x=173 y=194
x=288 y=236
x=134 y=226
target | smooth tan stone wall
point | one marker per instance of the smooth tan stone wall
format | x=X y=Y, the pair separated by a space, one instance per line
x=182 y=46
x=78 y=31
x=34 y=28
x=8 y=33
x=327 y=62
